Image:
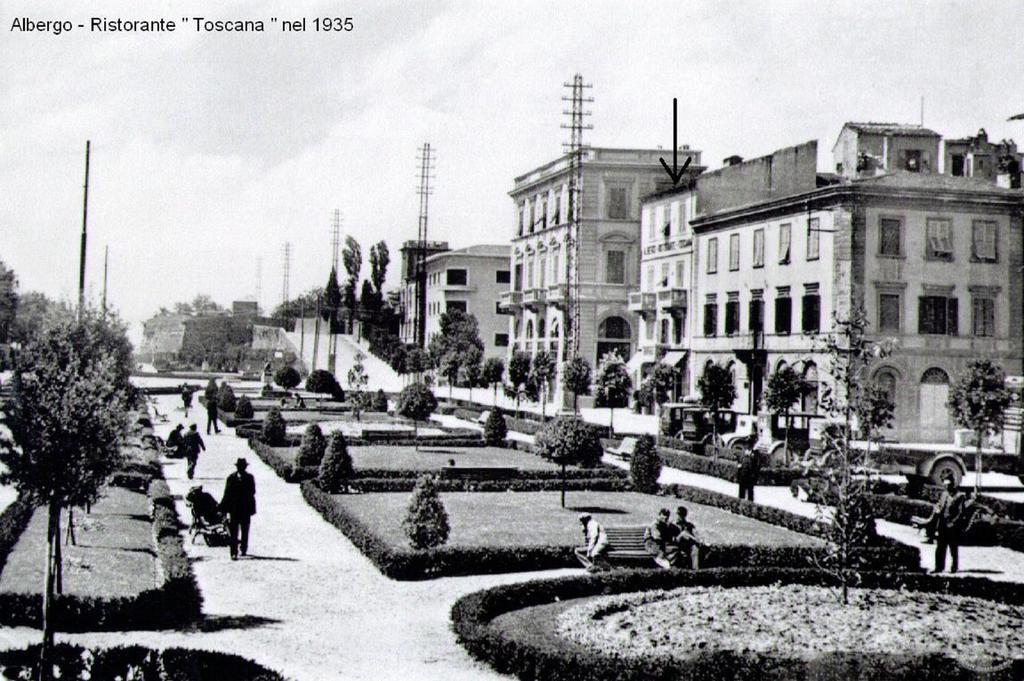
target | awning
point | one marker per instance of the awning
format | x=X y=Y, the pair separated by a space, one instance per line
x=674 y=357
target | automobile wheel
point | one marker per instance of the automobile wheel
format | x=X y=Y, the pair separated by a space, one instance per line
x=944 y=468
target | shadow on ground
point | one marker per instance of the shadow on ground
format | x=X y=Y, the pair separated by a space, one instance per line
x=211 y=623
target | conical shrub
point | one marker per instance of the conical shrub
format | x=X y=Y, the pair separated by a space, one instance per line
x=314 y=444
x=495 y=429
x=645 y=465
x=426 y=521
x=336 y=467
x=274 y=428
x=226 y=398
x=243 y=410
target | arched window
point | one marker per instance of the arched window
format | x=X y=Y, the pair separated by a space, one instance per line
x=933 y=413
x=809 y=402
x=935 y=376
x=529 y=330
x=614 y=335
x=541 y=327
x=664 y=331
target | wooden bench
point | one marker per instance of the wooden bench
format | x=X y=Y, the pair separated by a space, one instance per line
x=625 y=448
x=627 y=543
x=482 y=419
x=479 y=472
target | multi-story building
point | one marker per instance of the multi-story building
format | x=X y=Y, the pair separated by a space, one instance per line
x=933 y=260
x=408 y=312
x=997 y=162
x=609 y=250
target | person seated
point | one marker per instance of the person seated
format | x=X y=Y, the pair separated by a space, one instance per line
x=658 y=540
x=205 y=509
x=593 y=555
x=687 y=540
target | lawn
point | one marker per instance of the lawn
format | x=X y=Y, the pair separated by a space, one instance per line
x=115 y=553
x=536 y=518
x=434 y=457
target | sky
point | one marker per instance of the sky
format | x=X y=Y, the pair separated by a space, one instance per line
x=211 y=150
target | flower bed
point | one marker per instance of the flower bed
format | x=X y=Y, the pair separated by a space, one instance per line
x=510 y=628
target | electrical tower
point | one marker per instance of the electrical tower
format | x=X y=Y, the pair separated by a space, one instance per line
x=574 y=148
x=286 y=269
x=424 y=191
x=335 y=238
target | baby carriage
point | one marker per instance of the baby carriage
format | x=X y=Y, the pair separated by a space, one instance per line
x=207 y=520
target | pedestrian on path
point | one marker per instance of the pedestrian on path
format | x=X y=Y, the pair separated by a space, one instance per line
x=948 y=514
x=193 y=444
x=239 y=502
x=186 y=398
x=176 y=442
x=211 y=407
x=746 y=475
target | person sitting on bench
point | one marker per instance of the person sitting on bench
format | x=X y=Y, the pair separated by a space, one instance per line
x=659 y=539
x=593 y=555
x=687 y=541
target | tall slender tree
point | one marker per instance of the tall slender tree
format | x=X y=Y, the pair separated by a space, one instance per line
x=352 y=257
x=8 y=301
x=330 y=304
x=542 y=371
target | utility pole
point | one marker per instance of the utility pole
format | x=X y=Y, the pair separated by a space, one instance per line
x=335 y=239
x=85 y=220
x=103 y=304
x=424 y=191
x=286 y=267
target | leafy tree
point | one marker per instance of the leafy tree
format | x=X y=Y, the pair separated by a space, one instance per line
x=330 y=305
x=782 y=390
x=244 y=410
x=226 y=398
x=457 y=343
x=8 y=301
x=416 y=402
x=542 y=370
x=576 y=378
x=274 y=428
x=613 y=385
x=426 y=521
x=416 y=360
x=379 y=260
x=717 y=392
x=492 y=374
x=34 y=311
x=368 y=304
x=352 y=258
x=312 y=447
x=322 y=382
x=203 y=304
x=297 y=308
x=645 y=465
x=336 y=469
x=569 y=441
x=287 y=377
x=519 y=374
x=495 y=429
x=978 y=401
x=469 y=370
x=67 y=423
x=658 y=385
x=380 y=401
x=357 y=380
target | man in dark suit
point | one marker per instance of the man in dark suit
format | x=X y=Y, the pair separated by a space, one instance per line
x=239 y=502
x=947 y=517
x=192 y=443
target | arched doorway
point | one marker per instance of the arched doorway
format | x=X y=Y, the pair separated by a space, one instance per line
x=614 y=334
x=933 y=415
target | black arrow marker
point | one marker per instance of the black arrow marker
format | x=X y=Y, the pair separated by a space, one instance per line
x=675 y=172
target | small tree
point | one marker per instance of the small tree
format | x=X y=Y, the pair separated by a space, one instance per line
x=274 y=428
x=426 y=521
x=492 y=374
x=495 y=429
x=613 y=385
x=541 y=373
x=660 y=382
x=336 y=469
x=416 y=402
x=314 y=444
x=782 y=390
x=243 y=410
x=645 y=465
x=357 y=380
x=322 y=382
x=569 y=441
x=717 y=392
x=226 y=399
x=576 y=379
x=518 y=374
x=469 y=370
x=380 y=401
x=287 y=377
x=978 y=401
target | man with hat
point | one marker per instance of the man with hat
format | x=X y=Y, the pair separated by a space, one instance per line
x=239 y=502
x=192 y=444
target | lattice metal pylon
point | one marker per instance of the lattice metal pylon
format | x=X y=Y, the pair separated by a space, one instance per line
x=426 y=159
x=335 y=238
x=574 y=148
x=286 y=270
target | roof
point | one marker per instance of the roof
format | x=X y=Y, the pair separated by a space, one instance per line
x=903 y=179
x=478 y=251
x=876 y=128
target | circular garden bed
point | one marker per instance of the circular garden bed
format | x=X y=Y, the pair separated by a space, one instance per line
x=747 y=624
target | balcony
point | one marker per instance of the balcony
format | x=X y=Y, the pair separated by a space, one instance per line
x=749 y=347
x=511 y=300
x=673 y=299
x=643 y=304
x=557 y=295
x=535 y=297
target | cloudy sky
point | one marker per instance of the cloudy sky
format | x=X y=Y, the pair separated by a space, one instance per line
x=212 y=150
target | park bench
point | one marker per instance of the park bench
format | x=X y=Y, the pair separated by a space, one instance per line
x=479 y=472
x=482 y=419
x=625 y=448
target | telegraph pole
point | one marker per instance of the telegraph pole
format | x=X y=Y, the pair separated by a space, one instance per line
x=574 y=147
x=85 y=220
x=426 y=160
x=286 y=267
x=106 y=255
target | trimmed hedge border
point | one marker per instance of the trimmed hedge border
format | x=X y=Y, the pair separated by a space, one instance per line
x=13 y=521
x=726 y=469
x=553 y=660
x=175 y=603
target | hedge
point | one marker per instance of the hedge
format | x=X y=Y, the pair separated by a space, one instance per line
x=13 y=521
x=175 y=603
x=725 y=469
x=553 y=659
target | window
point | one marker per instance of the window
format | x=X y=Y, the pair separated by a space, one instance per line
x=543 y=271
x=456 y=277
x=618 y=203
x=459 y=305
x=983 y=241
x=811 y=310
x=533 y=224
x=783 y=312
x=911 y=160
x=939 y=245
x=529 y=274
x=957 y=165
x=650 y=278
x=544 y=214
x=614 y=335
x=664 y=275
x=557 y=217
x=664 y=332
x=541 y=328
x=813 y=239
x=710 y=318
x=756 y=314
x=983 y=316
x=734 y=252
x=677 y=328
x=518 y=281
x=555 y=273
x=502 y=277
x=937 y=315
x=712 y=255
x=615 y=270
x=890 y=239
x=501 y=340
x=680 y=274
x=732 y=314
x=522 y=217
x=759 y=247
x=785 y=241
x=889 y=312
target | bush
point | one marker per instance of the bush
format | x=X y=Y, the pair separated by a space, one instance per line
x=314 y=444
x=380 y=402
x=243 y=410
x=569 y=441
x=274 y=428
x=416 y=402
x=323 y=382
x=226 y=398
x=495 y=430
x=287 y=377
x=426 y=522
x=645 y=465
x=336 y=468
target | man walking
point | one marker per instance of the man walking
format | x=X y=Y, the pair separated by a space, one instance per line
x=211 y=412
x=239 y=502
x=746 y=476
x=192 y=444
x=947 y=517
x=186 y=398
